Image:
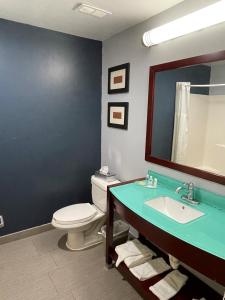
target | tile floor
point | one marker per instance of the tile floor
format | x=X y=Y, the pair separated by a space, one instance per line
x=40 y=268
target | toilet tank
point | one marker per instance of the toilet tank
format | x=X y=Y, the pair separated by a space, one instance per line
x=99 y=192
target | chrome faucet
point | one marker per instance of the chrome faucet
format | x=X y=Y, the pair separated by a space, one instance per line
x=189 y=197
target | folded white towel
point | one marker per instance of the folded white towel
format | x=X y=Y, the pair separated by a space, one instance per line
x=133 y=261
x=150 y=269
x=132 y=249
x=169 y=286
x=174 y=262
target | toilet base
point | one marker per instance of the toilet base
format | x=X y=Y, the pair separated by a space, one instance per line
x=86 y=245
x=87 y=236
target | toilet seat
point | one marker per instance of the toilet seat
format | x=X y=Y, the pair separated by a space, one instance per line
x=74 y=214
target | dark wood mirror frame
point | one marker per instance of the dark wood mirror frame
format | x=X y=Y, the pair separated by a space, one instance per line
x=212 y=57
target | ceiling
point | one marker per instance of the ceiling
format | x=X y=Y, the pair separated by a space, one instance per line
x=59 y=15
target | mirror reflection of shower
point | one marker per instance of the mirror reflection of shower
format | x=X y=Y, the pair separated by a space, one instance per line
x=199 y=126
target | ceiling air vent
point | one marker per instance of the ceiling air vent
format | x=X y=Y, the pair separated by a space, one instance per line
x=92 y=10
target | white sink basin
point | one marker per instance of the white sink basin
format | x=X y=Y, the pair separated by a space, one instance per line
x=175 y=210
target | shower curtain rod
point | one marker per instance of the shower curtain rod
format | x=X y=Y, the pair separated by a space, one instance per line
x=206 y=85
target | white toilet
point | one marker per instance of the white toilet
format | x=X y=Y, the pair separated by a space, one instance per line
x=83 y=221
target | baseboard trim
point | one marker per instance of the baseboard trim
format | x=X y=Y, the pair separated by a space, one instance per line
x=25 y=233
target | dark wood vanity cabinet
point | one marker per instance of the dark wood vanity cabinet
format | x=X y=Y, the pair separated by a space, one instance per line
x=162 y=242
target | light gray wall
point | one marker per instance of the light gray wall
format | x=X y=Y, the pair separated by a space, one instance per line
x=217 y=76
x=122 y=150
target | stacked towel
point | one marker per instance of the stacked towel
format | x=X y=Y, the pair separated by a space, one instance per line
x=174 y=262
x=133 y=261
x=150 y=269
x=169 y=286
x=133 y=253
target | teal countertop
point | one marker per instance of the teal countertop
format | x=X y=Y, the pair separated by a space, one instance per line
x=206 y=233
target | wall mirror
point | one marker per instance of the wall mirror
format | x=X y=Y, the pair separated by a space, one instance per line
x=186 y=116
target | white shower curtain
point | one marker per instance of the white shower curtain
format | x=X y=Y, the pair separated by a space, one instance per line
x=181 y=122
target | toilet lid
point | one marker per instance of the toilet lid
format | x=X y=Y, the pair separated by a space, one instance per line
x=76 y=213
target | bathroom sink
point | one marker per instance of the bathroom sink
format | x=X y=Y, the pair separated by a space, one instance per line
x=175 y=210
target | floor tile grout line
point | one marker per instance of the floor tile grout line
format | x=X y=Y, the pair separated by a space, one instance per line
x=35 y=248
x=46 y=253
x=53 y=283
x=58 y=292
x=53 y=258
x=74 y=298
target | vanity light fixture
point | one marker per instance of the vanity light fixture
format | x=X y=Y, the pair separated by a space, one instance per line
x=200 y=19
x=91 y=10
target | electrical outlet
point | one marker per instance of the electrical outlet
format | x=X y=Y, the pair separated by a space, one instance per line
x=1 y=221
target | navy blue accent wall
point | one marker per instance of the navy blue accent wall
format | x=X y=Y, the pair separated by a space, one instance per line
x=164 y=104
x=50 y=122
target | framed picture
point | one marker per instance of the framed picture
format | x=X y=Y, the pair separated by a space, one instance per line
x=118 y=114
x=118 y=79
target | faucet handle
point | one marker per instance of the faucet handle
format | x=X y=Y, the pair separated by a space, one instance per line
x=190 y=185
x=179 y=188
x=184 y=185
